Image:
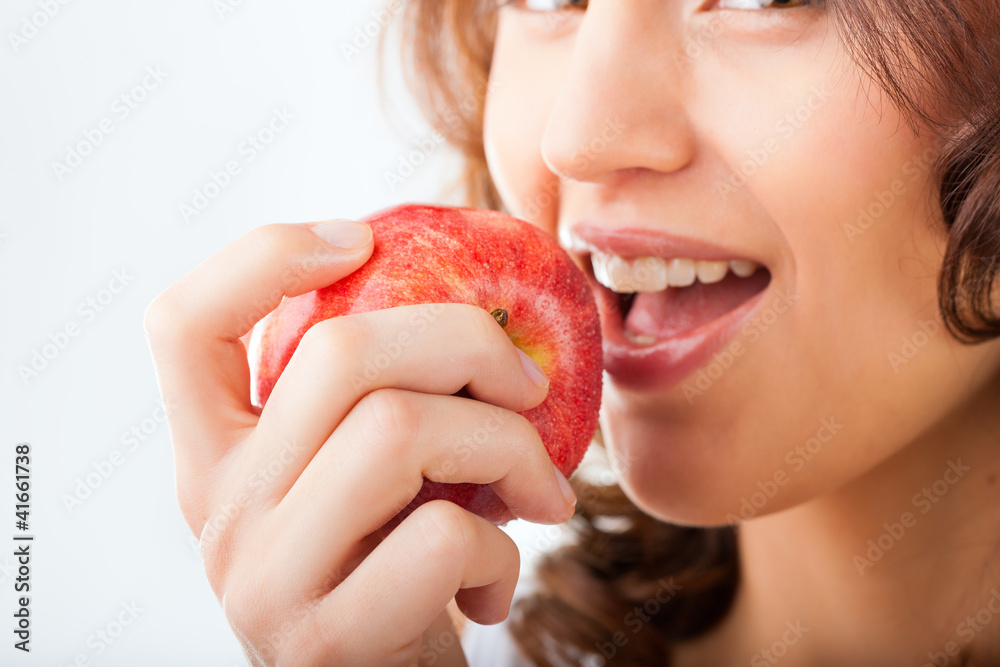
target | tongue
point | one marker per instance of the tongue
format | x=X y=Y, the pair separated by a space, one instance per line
x=676 y=310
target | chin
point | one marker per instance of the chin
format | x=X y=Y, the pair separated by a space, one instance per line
x=704 y=473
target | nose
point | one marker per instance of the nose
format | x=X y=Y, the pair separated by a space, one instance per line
x=620 y=105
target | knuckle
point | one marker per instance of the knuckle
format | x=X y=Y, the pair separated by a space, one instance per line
x=484 y=326
x=220 y=537
x=192 y=506
x=446 y=530
x=247 y=605
x=389 y=420
x=322 y=642
x=170 y=319
x=332 y=341
x=518 y=424
x=272 y=238
x=491 y=355
x=216 y=548
x=277 y=626
x=163 y=316
x=525 y=445
x=526 y=433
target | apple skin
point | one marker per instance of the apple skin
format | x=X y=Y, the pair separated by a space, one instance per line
x=431 y=254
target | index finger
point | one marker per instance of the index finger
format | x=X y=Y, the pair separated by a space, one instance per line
x=194 y=327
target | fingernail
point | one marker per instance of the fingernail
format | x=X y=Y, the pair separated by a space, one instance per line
x=564 y=486
x=533 y=370
x=346 y=234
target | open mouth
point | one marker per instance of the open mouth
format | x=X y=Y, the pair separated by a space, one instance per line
x=661 y=298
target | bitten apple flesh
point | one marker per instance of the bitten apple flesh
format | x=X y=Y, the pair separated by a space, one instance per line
x=431 y=255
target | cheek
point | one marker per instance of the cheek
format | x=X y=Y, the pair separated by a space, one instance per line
x=524 y=81
x=865 y=233
x=859 y=366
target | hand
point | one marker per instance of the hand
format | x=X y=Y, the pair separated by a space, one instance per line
x=293 y=503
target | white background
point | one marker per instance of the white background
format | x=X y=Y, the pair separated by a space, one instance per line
x=62 y=237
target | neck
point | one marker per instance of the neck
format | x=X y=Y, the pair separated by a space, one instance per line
x=891 y=569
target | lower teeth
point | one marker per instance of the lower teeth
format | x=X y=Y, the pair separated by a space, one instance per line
x=640 y=339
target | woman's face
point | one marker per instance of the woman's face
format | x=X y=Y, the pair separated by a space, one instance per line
x=718 y=131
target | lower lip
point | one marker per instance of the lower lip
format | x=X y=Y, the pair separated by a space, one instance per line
x=666 y=362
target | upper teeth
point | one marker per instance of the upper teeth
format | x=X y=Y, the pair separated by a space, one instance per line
x=653 y=274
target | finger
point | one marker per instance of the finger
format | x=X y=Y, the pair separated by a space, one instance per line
x=194 y=327
x=330 y=372
x=399 y=590
x=375 y=462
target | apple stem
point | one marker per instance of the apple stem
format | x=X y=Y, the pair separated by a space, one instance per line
x=500 y=315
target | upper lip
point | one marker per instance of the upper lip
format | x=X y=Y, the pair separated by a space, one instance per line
x=584 y=238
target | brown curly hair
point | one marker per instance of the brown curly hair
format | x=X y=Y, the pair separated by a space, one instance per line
x=939 y=61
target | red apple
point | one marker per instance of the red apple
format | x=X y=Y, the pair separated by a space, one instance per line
x=426 y=254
